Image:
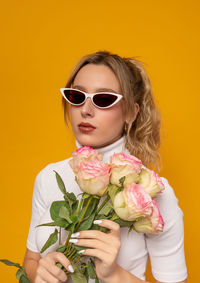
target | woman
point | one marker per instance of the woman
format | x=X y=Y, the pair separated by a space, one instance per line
x=124 y=119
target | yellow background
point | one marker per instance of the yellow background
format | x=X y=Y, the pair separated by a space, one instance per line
x=41 y=41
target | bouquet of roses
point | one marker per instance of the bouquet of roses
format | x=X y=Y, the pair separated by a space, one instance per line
x=121 y=191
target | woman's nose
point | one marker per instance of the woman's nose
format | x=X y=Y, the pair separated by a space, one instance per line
x=87 y=109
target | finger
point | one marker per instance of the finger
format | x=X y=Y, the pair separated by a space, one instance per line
x=49 y=262
x=104 y=257
x=97 y=244
x=60 y=257
x=39 y=280
x=95 y=234
x=54 y=271
x=44 y=274
x=111 y=225
x=91 y=243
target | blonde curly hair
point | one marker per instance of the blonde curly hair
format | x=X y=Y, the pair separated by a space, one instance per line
x=143 y=133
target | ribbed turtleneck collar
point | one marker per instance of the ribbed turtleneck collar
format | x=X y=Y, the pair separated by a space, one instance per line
x=107 y=151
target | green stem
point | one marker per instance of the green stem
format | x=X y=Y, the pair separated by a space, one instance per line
x=84 y=212
x=67 y=241
x=74 y=251
x=76 y=259
x=103 y=204
x=115 y=216
x=79 y=207
x=69 y=235
x=79 y=222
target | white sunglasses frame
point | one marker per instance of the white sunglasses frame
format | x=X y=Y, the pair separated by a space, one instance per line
x=91 y=95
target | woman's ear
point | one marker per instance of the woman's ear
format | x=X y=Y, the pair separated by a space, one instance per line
x=136 y=110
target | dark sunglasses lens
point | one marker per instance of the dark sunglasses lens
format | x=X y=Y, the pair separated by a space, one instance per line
x=104 y=100
x=75 y=97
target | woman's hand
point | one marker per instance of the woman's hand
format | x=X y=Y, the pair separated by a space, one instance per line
x=48 y=272
x=103 y=247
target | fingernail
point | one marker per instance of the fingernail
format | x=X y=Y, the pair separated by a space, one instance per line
x=70 y=268
x=73 y=241
x=81 y=252
x=97 y=222
x=75 y=235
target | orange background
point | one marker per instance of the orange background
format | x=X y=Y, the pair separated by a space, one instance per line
x=41 y=42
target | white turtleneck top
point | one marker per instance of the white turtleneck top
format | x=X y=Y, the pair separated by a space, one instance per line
x=166 y=250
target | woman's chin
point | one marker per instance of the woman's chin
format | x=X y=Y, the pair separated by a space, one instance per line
x=95 y=142
x=87 y=141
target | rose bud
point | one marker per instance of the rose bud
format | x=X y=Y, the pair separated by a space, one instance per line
x=132 y=203
x=93 y=177
x=82 y=154
x=122 y=165
x=151 y=182
x=150 y=224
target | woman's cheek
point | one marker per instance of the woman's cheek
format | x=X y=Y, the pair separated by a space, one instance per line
x=114 y=123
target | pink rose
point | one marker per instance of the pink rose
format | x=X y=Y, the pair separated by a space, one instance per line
x=150 y=224
x=132 y=203
x=93 y=177
x=151 y=182
x=124 y=165
x=83 y=154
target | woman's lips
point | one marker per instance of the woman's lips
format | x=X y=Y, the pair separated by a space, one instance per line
x=86 y=127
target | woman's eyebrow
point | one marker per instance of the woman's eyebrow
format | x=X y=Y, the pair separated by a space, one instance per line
x=97 y=90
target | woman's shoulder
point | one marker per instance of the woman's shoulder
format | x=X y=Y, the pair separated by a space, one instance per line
x=168 y=193
x=46 y=177
x=168 y=202
x=46 y=186
x=59 y=167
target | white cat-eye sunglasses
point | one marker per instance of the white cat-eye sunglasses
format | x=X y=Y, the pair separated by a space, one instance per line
x=101 y=100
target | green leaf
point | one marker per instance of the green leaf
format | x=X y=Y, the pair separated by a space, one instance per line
x=55 y=208
x=101 y=216
x=21 y=271
x=85 y=195
x=70 y=227
x=74 y=220
x=62 y=223
x=93 y=204
x=47 y=224
x=61 y=249
x=97 y=227
x=77 y=276
x=70 y=199
x=59 y=222
x=86 y=274
x=113 y=190
x=74 y=206
x=24 y=279
x=107 y=209
x=78 y=248
x=58 y=264
x=10 y=263
x=51 y=240
x=91 y=270
x=60 y=183
x=86 y=224
x=121 y=181
x=96 y=280
x=64 y=213
x=20 y=274
x=71 y=196
x=123 y=223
